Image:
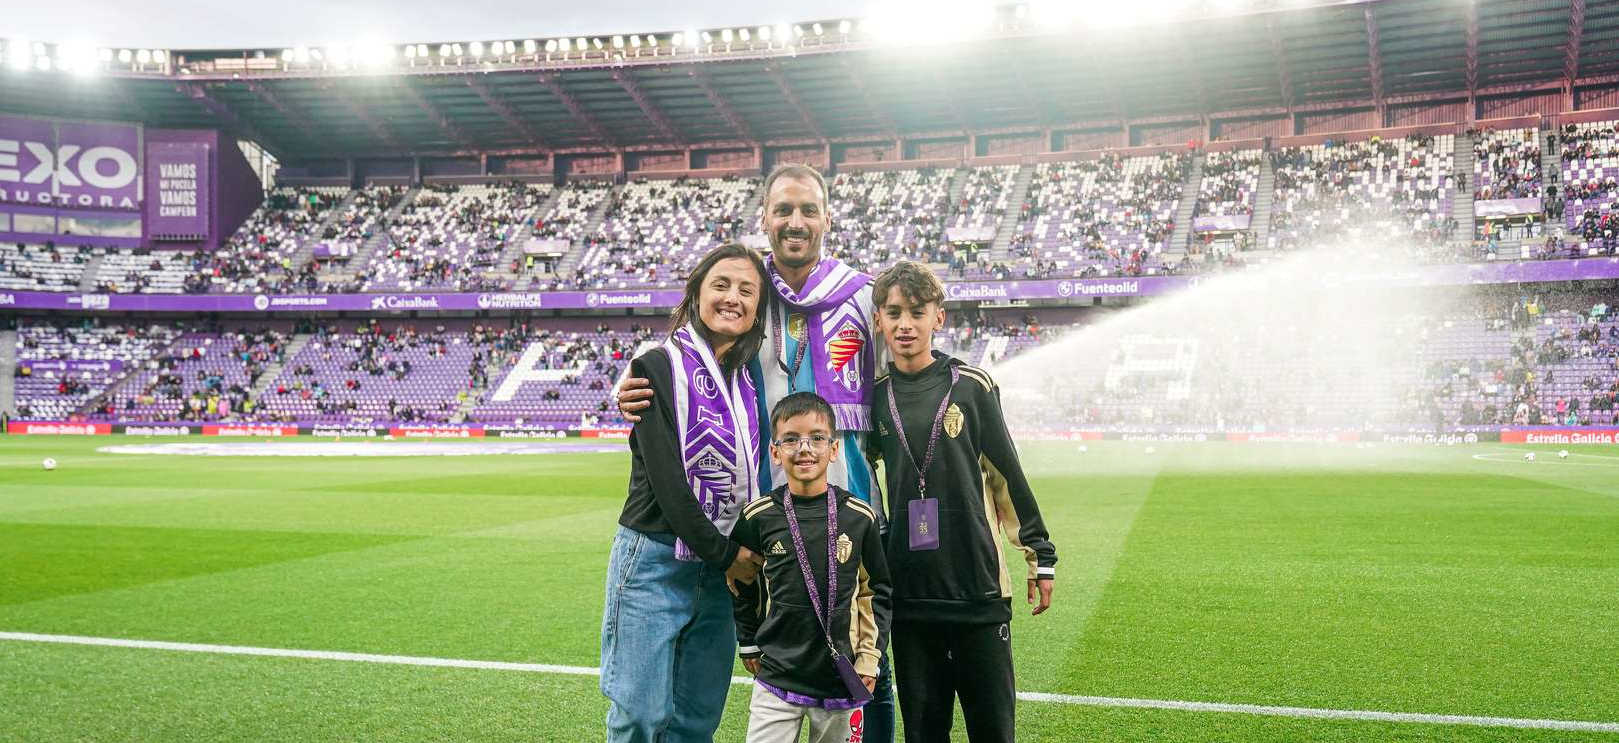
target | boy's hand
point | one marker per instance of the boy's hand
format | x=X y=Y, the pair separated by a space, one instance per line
x=870 y=682
x=752 y=664
x=1044 y=587
x=633 y=395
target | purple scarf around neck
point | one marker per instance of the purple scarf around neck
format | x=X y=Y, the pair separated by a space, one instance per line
x=839 y=336
x=718 y=421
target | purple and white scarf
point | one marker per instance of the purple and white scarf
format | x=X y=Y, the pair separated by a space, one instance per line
x=718 y=421
x=841 y=353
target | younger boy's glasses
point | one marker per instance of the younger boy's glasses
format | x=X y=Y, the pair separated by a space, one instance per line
x=816 y=442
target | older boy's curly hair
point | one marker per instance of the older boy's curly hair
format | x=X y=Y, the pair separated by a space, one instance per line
x=915 y=281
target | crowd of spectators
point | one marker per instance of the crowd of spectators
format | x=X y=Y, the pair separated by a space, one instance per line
x=1105 y=217
x=1506 y=164
x=1229 y=183
x=42 y=267
x=1586 y=208
x=654 y=231
x=266 y=254
x=1336 y=191
x=448 y=237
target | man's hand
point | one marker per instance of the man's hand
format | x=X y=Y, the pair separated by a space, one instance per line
x=743 y=568
x=634 y=395
x=1043 y=588
x=870 y=682
x=752 y=664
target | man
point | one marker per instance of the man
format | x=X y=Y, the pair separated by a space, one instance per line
x=817 y=339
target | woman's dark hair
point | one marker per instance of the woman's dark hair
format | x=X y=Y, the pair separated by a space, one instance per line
x=747 y=346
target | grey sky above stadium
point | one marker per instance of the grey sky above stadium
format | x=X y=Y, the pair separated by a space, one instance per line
x=204 y=24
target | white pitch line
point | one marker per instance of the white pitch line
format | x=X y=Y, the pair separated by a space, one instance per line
x=1027 y=696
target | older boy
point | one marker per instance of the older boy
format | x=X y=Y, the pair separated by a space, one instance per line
x=952 y=475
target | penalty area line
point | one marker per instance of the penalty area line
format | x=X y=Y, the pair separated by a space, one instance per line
x=1027 y=696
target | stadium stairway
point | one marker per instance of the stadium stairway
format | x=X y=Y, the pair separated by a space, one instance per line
x=1461 y=207
x=514 y=243
x=465 y=408
x=272 y=371
x=87 y=282
x=8 y=366
x=958 y=186
x=307 y=250
x=598 y=214
x=1551 y=169
x=1259 y=226
x=1003 y=235
x=131 y=373
x=1183 y=211
x=362 y=260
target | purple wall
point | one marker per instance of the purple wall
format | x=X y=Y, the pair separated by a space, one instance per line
x=232 y=194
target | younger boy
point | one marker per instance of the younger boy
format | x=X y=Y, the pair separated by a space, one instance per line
x=822 y=598
x=952 y=474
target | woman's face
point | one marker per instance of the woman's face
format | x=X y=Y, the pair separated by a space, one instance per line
x=729 y=297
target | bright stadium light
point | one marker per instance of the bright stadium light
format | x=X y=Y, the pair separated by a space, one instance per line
x=651 y=41
x=143 y=57
x=105 y=55
x=580 y=44
x=444 y=50
x=421 y=50
x=597 y=42
x=126 y=56
x=340 y=54
x=300 y=55
x=78 y=57
x=798 y=32
x=635 y=41
x=708 y=38
x=159 y=56
x=844 y=27
x=618 y=42
x=530 y=46
x=817 y=29
x=457 y=50
x=550 y=46
x=924 y=22
x=511 y=47
x=476 y=48
x=317 y=54
x=763 y=33
x=727 y=35
x=744 y=34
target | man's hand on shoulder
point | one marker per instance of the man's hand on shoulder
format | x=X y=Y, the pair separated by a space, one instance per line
x=633 y=396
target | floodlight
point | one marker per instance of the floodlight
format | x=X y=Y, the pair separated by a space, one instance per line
x=105 y=55
x=511 y=47
x=444 y=50
x=635 y=41
x=817 y=29
x=844 y=27
x=125 y=56
x=764 y=33
x=143 y=57
x=618 y=42
x=476 y=48
x=550 y=46
x=300 y=55
x=410 y=52
x=530 y=46
x=596 y=42
x=727 y=35
x=159 y=56
x=708 y=38
x=744 y=34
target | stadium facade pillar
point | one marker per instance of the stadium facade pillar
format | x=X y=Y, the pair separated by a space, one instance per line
x=759 y=158
x=415 y=170
x=483 y=163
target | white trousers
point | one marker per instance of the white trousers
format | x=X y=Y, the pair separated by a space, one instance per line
x=771 y=720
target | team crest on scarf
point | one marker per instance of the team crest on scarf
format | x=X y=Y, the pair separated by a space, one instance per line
x=842 y=347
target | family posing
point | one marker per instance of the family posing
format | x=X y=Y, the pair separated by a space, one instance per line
x=758 y=425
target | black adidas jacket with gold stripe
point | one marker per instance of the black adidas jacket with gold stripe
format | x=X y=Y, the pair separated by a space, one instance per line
x=981 y=492
x=774 y=620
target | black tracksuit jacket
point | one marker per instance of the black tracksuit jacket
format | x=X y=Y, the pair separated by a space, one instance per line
x=981 y=491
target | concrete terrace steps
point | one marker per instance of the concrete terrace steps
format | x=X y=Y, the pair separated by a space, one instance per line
x=1461 y=207
x=8 y=366
x=1551 y=167
x=272 y=370
x=87 y=281
x=1264 y=202
x=132 y=371
x=362 y=259
x=1014 y=209
x=598 y=215
x=514 y=243
x=958 y=186
x=307 y=249
x=1184 y=209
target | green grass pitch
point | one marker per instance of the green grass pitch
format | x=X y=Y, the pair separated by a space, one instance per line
x=1400 y=579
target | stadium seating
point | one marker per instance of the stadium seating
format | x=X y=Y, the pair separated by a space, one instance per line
x=1229 y=183
x=42 y=267
x=142 y=272
x=1105 y=217
x=655 y=231
x=56 y=395
x=372 y=375
x=883 y=216
x=200 y=377
x=259 y=257
x=1506 y=164
x=449 y=234
x=1335 y=190
x=1590 y=176
x=581 y=368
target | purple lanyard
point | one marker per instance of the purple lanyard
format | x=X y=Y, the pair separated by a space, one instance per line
x=798 y=356
x=831 y=559
x=933 y=437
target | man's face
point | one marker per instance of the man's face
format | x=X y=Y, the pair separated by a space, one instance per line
x=795 y=219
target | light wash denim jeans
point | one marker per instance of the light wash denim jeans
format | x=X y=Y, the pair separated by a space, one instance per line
x=668 y=643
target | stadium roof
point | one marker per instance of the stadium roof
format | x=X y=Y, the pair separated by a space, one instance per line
x=1343 y=55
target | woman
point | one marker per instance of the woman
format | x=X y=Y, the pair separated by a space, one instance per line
x=667 y=632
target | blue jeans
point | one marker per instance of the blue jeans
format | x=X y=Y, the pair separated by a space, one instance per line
x=668 y=640
x=880 y=710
